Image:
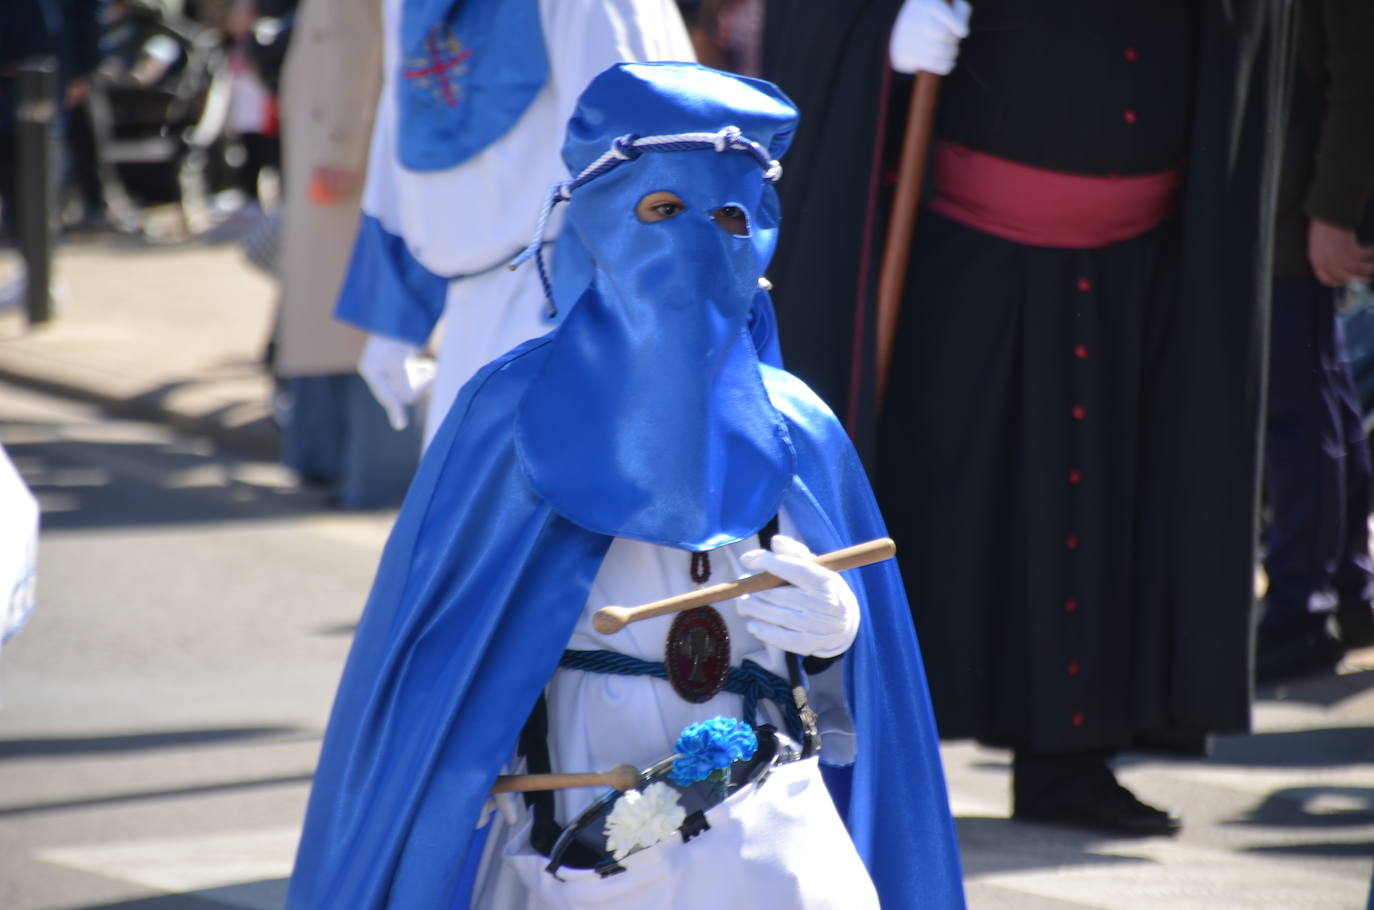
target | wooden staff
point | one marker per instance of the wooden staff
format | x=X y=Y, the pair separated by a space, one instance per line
x=613 y=619
x=621 y=777
x=892 y=277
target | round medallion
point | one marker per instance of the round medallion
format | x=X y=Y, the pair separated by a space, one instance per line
x=697 y=654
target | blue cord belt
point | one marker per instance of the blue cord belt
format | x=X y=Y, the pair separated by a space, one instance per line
x=748 y=680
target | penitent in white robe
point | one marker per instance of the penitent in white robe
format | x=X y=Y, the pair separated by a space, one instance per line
x=467 y=222
x=782 y=846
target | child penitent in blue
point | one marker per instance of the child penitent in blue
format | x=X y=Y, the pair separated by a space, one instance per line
x=644 y=446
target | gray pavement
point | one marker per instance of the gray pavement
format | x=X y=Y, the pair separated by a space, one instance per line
x=169 y=332
x=162 y=711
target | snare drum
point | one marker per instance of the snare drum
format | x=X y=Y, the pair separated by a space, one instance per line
x=775 y=840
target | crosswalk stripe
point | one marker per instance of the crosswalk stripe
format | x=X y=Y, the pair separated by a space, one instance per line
x=244 y=869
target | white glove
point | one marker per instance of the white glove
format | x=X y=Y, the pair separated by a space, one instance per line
x=817 y=615
x=926 y=35
x=396 y=374
x=510 y=805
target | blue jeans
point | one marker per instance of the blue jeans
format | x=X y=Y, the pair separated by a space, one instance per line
x=1317 y=467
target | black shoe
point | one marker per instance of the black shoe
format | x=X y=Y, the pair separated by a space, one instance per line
x=1355 y=620
x=1293 y=652
x=1115 y=812
x=1094 y=801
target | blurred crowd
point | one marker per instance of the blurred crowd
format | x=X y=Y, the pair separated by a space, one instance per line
x=163 y=102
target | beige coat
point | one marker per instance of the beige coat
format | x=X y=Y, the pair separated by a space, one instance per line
x=330 y=82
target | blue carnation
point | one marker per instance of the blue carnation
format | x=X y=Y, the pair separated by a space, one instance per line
x=710 y=745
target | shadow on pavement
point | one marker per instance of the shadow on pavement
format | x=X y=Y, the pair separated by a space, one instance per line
x=345 y=628
x=1312 y=807
x=269 y=894
x=87 y=476
x=991 y=765
x=164 y=902
x=137 y=742
x=1350 y=850
x=149 y=795
x=992 y=845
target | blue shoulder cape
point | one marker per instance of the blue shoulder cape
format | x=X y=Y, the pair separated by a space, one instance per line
x=468 y=71
x=478 y=591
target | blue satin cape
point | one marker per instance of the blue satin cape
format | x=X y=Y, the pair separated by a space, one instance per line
x=478 y=591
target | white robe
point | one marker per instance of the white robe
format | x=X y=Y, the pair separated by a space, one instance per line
x=790 y=850
x=19 y=520
x=470 y=220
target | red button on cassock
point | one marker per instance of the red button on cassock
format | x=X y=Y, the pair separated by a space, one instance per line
x=1075 y=475
x=1085 y=285
x=1131 y=55
x=1128 y=115
x=1072 y=542
x=1078 y=718
x=1071 y=605
x=1079 y=412
x=1080 y=351
x=1074 y=667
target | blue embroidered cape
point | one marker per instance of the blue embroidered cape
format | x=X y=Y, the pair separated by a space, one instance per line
x=469 y=69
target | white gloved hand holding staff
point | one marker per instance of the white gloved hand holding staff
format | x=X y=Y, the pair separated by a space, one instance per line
x=926 y=35
x=815 y=615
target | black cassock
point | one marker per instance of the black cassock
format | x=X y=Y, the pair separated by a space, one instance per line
x=1069 y=449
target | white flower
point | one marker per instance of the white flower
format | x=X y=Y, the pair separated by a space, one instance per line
x=643 y=818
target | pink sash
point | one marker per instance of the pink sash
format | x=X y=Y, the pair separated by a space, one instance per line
x=1040 y=207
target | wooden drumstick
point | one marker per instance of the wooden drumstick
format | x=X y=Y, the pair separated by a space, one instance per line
x=621 y=777
x=613 y=619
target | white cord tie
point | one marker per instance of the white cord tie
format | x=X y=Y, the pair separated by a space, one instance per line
x=726 y=138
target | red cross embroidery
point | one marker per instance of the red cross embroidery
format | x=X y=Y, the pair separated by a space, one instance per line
x=439 y=66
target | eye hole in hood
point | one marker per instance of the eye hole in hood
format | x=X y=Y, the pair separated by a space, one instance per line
x=732 y=219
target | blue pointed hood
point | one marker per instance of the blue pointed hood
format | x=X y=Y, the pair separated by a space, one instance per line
x=649 y=419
